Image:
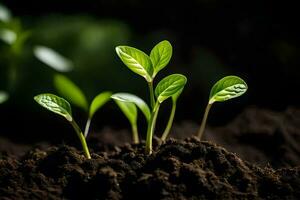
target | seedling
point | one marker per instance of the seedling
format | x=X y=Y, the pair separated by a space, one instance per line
x=62 y=107
x=148 y=67
x=73 y=93
x=128 y=103
x=3 y=96
x=227 y=88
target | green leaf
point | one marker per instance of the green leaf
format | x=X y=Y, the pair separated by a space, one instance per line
x=169 y=86
x=129 y=109
x=3 y=96
x=126 y=97
x=98 y=102
x=136 y=60
x=55 y=104
x=227 y=88
x=160 y=56
x=177 y=94
x=70 y=91
x=53 y=59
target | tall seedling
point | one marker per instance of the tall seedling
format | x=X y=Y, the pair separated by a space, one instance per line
x=148 y=67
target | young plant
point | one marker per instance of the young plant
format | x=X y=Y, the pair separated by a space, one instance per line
x=227 y=88
x=61 y=107
x=128 y=104
x=148 y=67
x=72 y=93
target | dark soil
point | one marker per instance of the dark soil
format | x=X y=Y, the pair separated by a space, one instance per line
x=187 y=169
x=265 y=143
x=258 y=136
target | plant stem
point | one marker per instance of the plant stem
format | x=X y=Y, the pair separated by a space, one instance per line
x=152 y=100
x=151 y=128
x=203 y=123
x=82 y=139
x=87 y=127
x=170 y=122
x=135 y=134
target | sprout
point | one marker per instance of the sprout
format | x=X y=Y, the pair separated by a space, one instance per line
x=227 y=88
x=148 y=67
x=75 y=96
x=61 y=107
x=128 y=103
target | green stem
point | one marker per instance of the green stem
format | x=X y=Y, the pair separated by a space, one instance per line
x=82 y=139
x=151 y=91
x=203 y=123
x=135 y=134
x=87 y=127
x=170 y=122
x=151 y=128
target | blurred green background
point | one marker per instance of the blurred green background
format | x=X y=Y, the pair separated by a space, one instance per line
x=211 y=39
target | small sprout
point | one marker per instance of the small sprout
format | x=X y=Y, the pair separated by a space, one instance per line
x=75 y=96
x=148 y=67
x=3 y=96
x=227 y=88
x=128 y=103
x=61 y=107
x=53 y=59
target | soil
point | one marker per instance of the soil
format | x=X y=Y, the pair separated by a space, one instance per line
x=187 y=169
x=265 y=166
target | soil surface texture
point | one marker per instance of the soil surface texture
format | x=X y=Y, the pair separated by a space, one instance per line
x=177 y=169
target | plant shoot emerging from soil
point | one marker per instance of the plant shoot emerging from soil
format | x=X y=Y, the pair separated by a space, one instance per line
x=128 y=103
x=61 y=107
x=226 y=88
x=75 y=96
x=148 y=67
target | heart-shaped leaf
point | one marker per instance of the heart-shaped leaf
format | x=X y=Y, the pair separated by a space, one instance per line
x=227 y=88
x=98 y=102
x=169 y=86
x=136 y=60
x=126 y=97
x=55 y=104
x=66 y=88
x=53 y=59
x=3 y=96
x=160 y=56
x=129 y=109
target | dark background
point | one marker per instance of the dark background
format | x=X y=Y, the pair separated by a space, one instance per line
x=256 y=40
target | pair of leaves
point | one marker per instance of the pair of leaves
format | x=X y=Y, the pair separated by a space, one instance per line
x=53 y=59
x=227 y=88
x=144 y=65
x=128 y=103
x=170 y=86
x=73 y=93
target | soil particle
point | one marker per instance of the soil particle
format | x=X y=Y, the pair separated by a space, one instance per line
x=185 y=169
